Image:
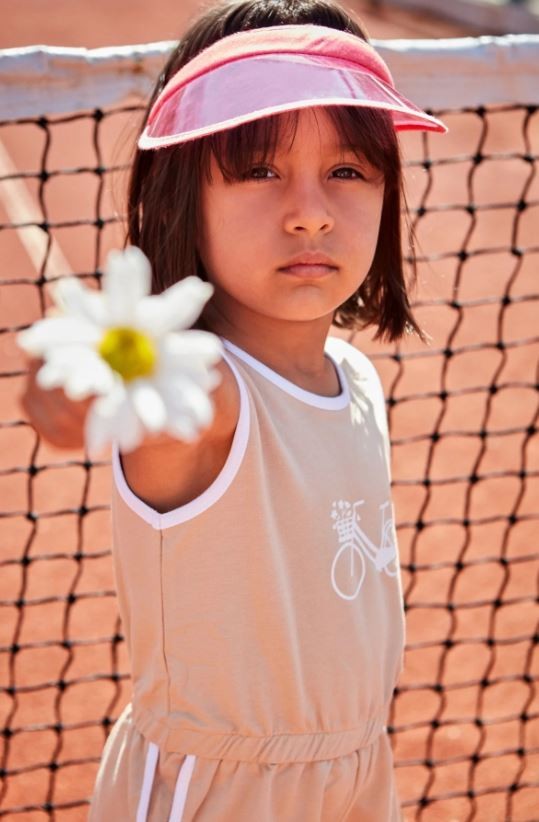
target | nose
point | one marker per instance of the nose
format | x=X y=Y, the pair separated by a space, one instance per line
x=307 y=211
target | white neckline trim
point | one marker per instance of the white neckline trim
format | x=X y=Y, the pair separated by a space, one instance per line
x=308 y=397
x=160 y=521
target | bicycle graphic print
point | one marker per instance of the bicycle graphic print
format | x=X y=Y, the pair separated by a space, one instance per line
x=355 y=544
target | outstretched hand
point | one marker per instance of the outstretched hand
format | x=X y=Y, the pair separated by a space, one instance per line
x=120 y=364
x=54 y=416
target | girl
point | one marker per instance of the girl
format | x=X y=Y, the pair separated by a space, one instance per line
x=256 y=568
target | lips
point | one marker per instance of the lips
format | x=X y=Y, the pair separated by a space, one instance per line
x=310 y=271
x=310 y=264
x=310 y=258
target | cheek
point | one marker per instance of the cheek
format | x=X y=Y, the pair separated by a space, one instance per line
x=366 y=222
x=238 y=232
x=224 y=247
x=222 y=220
x=214 y=230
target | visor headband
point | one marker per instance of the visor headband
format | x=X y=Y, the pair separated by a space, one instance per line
x=304 y=39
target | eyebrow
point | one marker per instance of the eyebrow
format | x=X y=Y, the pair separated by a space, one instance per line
x=341 y=148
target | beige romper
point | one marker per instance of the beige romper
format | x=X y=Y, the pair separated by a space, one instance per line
x=264 y=619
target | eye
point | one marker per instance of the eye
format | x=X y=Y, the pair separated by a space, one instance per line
x=359 y=175
x=261 y=172
x=257 y=173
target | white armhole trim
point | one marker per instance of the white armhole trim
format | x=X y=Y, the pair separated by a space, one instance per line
x=212 y=493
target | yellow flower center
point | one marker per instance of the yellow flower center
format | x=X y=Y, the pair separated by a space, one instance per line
x=129 y=352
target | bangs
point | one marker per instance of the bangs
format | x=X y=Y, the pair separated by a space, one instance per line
x=368 y=133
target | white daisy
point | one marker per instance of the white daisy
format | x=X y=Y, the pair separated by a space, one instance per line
x=126 y=346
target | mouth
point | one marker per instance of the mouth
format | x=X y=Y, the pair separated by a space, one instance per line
x=308 y=271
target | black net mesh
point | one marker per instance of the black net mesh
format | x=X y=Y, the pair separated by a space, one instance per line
x=463 y=418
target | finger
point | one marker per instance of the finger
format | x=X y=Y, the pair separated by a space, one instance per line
x=51 y=414
x=56 y=398
x=58 y=430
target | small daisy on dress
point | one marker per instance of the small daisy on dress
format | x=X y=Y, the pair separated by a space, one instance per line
x=132 y=350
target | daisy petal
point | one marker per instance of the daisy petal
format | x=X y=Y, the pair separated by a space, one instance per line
x=98 y=432
x=93 y=376
x=183 y=429
x=177 y=307
x=111 y=405
x=130 y=431
x=113 y=418
x=50 y=376
x=190 y=350
x=100 y=421
x=78 y=370
x=57 y=331
x=75 y=299
x=148 y=404
x=200 y=405
x=204 y=378
x=185 y=398
x=127 y=280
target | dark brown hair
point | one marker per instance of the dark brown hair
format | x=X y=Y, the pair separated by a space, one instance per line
x=164 y=200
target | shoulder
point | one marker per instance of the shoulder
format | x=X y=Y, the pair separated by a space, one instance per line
x=227 y=400
x=364 y=384
x=356 y=365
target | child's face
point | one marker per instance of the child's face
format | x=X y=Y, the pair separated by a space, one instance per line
x=313 y=197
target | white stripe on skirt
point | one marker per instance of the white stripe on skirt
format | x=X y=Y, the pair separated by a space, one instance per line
x=149 y=773
x=182 y=785
x=180 y=791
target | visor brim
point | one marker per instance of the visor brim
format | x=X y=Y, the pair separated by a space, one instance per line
x=263 y=85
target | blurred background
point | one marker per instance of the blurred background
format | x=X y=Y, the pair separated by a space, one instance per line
x=118 y=22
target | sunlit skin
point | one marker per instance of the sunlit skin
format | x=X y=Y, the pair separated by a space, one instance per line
x=313 y=196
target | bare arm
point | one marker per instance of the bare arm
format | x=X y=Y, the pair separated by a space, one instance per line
x=163 y=471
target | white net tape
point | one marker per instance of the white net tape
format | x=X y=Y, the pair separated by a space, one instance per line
x=441 y=74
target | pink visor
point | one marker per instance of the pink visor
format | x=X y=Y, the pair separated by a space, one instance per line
x=261 y=72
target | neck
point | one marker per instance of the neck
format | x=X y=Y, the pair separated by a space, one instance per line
x=293 y=349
